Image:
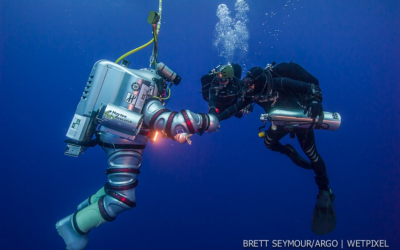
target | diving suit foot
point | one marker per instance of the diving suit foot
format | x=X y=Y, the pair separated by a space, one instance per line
x=72 y=239
x=324 y=216
x=296 y=158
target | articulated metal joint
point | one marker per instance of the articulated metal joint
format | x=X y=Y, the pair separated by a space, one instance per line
x=102 y=210
x=122 y=170
x=169 y=123
x=206 y=122
x=155 y=116
x=213 y=123
x=188 y=122
x=108 y=186
x=121 y=198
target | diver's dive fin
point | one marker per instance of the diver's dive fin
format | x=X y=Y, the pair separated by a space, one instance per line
x=324 y=216
x=296 y=157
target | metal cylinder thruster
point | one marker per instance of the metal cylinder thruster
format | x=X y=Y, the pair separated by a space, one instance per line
x=120 y=119
x=292 y=118
x=168 y=74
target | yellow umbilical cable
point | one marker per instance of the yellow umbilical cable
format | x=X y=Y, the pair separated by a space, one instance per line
x=133 y=51
x=169 y=95
x=147 y=44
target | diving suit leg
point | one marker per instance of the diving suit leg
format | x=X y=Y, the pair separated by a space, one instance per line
x=296 y=157
x=117 y=196
x=271 y=141
x=122 y=172
x=307 y=142
x=324 y=216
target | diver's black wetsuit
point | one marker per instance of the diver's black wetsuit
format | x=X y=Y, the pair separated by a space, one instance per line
x=291 y=83
x=220 y=97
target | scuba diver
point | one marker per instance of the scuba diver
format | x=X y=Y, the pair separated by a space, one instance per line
x=222 y=87
x=287 y=87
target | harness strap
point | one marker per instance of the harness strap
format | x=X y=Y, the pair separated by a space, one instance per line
x=320 y=121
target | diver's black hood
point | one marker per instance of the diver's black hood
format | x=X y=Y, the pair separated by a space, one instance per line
x=237 y=70
x=259 y=77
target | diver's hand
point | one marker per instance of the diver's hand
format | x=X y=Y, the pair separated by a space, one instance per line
x=313 y=109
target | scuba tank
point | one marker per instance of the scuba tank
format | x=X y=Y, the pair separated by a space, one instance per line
x=292 y=118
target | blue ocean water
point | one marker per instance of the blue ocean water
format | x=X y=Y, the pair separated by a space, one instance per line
x=226 y=187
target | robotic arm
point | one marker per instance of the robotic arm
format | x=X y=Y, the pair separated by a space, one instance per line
x=177 y=125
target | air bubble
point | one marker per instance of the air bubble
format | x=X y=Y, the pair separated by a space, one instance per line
x=231 y=34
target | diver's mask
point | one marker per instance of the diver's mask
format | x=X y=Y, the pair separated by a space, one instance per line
x=223 y=81
x=255 y=80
